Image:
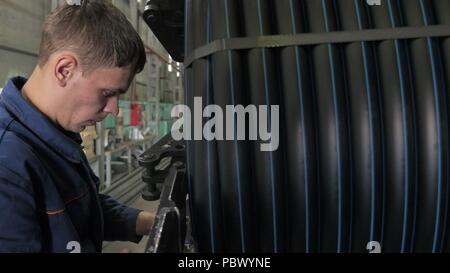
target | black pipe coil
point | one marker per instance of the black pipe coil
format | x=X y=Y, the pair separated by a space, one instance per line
x=364 y=137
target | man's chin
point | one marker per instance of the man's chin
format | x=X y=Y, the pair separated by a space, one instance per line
x=72 y=129
x=85 y=125
x=77 y=129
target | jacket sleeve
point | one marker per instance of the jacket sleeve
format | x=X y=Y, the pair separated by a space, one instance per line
x=19 y=227
x=119 y=220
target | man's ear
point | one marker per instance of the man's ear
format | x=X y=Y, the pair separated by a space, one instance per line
x=66 y=66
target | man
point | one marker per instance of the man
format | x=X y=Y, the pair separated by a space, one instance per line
x=49 y=200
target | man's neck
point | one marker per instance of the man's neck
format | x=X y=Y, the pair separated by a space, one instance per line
x=34 y=92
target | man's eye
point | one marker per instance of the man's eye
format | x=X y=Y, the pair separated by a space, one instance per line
x=109 y=94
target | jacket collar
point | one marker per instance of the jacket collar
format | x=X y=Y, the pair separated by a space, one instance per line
x=63 y=142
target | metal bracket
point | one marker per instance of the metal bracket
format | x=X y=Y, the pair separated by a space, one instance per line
x=150 y=159
x=169 y=230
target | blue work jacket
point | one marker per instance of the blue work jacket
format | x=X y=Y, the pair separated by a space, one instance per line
x=49 y=195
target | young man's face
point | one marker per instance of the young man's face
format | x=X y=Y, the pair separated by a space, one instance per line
x=92 y=97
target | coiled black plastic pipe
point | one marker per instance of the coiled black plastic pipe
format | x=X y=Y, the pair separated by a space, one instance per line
x=364 y=150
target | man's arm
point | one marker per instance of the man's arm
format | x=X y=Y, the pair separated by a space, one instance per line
x=19 y=228
x=144 y=223
x=123 y=223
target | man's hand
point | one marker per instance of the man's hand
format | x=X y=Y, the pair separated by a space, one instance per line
x=144 y=223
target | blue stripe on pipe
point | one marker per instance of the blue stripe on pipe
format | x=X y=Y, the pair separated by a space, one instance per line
x=383 y=145
x=416 y=167
x=444 y=230
x=237 y=163
x=380 y=109
x=338 y=148
x=371 y=137
x=349 y=136
x=302 y=116
x=438 y=125
x=186 y=90
x=315 y=147
x=405 y=138
x=350 y=157
x=266 y=92
x=208 y=144
x=186 y=29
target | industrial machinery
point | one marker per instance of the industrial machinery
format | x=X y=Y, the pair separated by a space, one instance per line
x=169 y=185
x=364 y=155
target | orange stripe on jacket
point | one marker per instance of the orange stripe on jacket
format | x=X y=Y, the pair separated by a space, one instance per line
x=66 y=203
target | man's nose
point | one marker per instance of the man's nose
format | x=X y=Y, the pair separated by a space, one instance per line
x=112 y=106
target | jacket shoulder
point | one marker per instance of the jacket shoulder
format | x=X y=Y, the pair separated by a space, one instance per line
x=5 y=122
x=18 y=161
